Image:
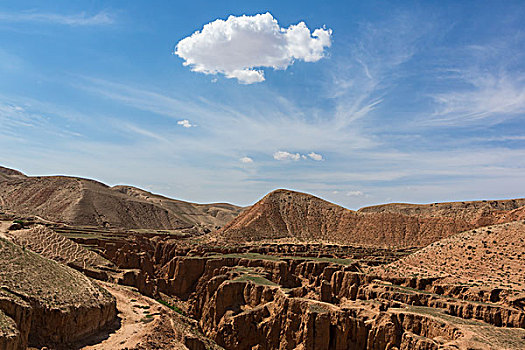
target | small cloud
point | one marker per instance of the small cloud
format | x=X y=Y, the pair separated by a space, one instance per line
x=315 y=156
x=239 y=46
x=354 y=194
x=246 y=160
x=186 y=123
x=335 y=192
x=79 y=19
x=283 y=155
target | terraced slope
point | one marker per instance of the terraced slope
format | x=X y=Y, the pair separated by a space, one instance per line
x=50 y=303
x=47 y=243
x=87 y=202
x=289 y=214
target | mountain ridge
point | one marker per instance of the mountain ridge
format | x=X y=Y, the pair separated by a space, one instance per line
x=81 y=201
x=290 y=214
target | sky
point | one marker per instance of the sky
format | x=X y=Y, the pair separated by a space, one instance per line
x=357 y=102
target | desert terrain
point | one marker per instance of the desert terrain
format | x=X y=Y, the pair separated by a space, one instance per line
x=88 y=266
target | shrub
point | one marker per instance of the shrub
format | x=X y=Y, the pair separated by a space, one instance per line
x=173 y=307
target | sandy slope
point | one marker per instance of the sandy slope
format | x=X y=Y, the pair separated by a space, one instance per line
x=491 y=256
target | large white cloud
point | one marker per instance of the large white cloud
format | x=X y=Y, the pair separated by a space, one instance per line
x=238 y=46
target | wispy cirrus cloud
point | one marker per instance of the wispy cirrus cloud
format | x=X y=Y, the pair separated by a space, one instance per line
x=363 y=76
x=355 y=193
x=21 y=118
x=78 y=19
x=142 y=131
x=482 y=84
x=490 y=97
x=268 y=122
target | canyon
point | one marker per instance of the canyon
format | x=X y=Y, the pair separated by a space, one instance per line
x=87 y=266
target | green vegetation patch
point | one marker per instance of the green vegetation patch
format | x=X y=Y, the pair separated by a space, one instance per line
x=339 y=261
x=173 y=307
x=256 y=279
x=438 y=313
x=257 y=256
x=318 y=308
x=244 y=269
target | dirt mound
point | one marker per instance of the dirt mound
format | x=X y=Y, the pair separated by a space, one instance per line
x=491 y=256
x=86 y=202
x=50 y=303
x=289 y=214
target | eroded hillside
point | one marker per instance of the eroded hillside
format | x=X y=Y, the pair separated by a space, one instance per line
x=44 y=303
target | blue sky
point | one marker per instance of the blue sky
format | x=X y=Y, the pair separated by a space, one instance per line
x=401 y=102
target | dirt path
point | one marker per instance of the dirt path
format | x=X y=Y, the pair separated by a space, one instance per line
x=4 y=226
x=135 y=325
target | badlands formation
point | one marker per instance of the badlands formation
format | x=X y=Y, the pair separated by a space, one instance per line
x=87 y=266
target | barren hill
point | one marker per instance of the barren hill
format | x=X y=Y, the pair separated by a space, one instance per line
x=81 y=201
x=289 y=214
